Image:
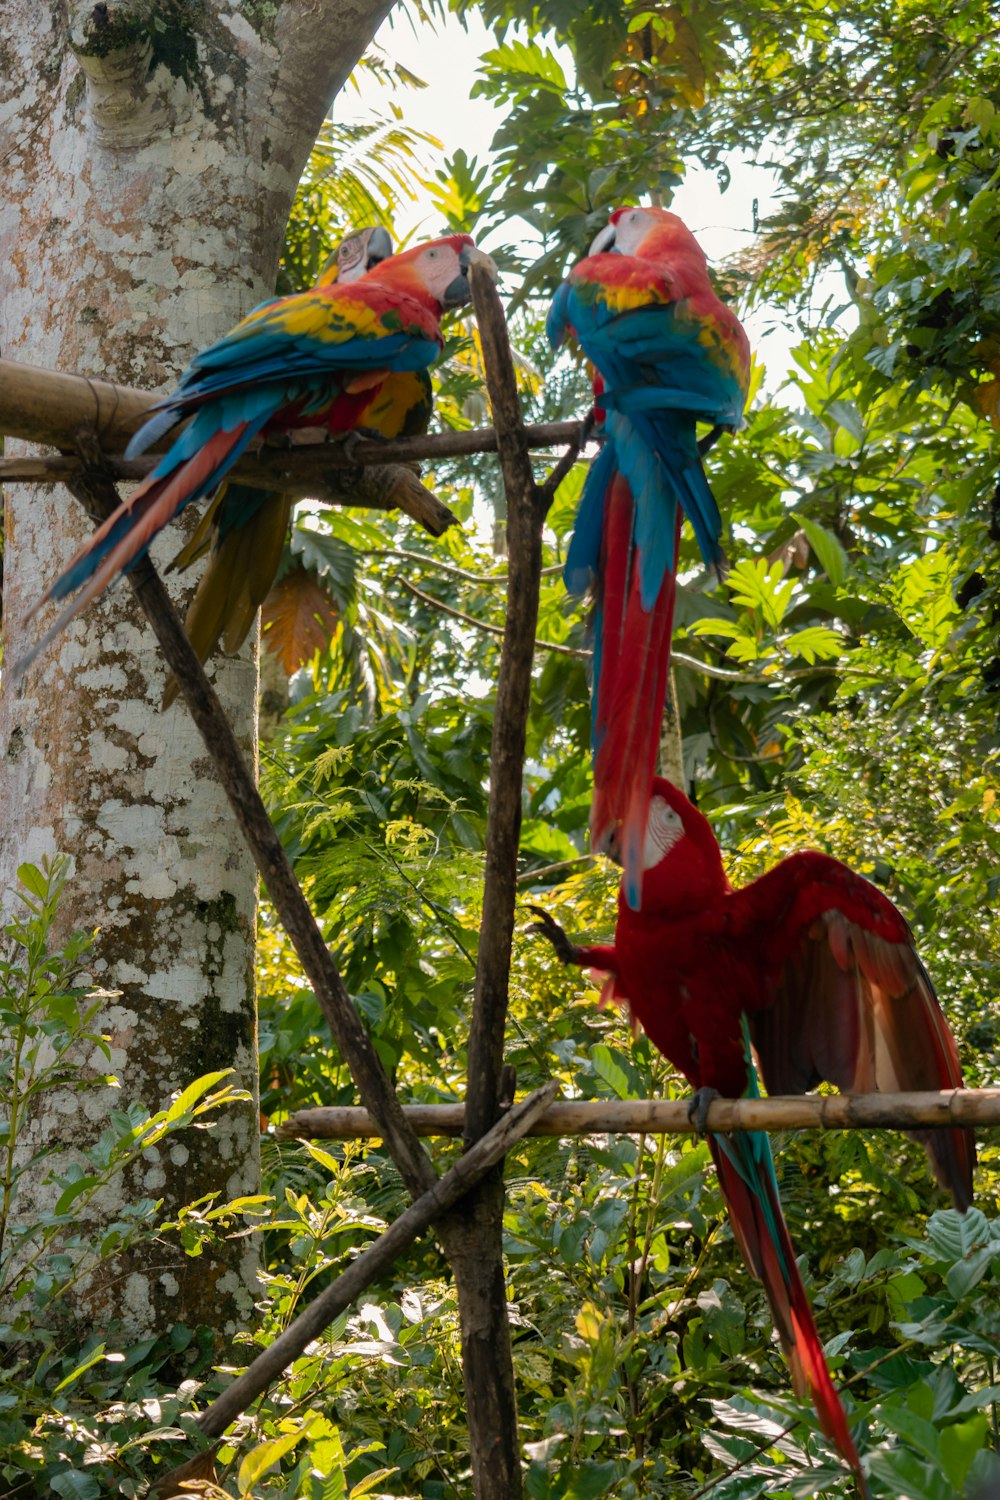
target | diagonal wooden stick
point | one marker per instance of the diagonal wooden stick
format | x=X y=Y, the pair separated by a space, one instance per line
x=97 y=493
x=378 y=1257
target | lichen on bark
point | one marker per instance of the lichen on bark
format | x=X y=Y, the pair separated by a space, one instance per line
x=151 y=155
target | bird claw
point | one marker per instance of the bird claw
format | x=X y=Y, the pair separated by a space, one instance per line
x=348 y=441
x=698 y=1106
x=566 y=952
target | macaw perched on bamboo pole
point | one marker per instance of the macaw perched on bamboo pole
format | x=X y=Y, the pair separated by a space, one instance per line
x=816 y=970
x=319 y=359
x=668 y=354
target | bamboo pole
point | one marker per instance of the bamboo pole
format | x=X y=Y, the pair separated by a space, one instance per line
x=670 y=1116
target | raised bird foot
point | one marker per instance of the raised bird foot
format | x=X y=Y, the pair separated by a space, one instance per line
x=698 y=1108
x=566 y=952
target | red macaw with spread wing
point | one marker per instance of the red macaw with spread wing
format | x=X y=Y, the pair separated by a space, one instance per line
x=319 y=359
x=817 y=969
x=668 y=354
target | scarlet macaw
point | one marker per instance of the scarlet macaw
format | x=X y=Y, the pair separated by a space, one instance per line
x=321 y=358
x=668 y=354
x=814 y=967
x=244 y=528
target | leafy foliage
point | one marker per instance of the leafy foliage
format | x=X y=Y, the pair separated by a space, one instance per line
x=835 y=690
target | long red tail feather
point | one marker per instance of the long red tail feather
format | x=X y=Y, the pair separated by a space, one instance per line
x=152 y=506
x=630 y=686
x=773 y=1264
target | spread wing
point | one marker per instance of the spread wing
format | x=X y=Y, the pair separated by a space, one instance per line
x=846 y=998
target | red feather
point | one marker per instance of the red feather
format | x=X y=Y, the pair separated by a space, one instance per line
x=632 y=687
x=822 y=969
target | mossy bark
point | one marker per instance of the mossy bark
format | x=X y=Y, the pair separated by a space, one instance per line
x=151 y=155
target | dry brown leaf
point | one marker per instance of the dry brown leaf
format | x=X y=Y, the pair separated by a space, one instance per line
x=298 y=619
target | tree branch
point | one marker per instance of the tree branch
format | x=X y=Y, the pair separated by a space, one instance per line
x=457 y=614
x=670 y=1116
x=49 y=406
x=377 y=1258
x=98 y=495
x=473 y=1234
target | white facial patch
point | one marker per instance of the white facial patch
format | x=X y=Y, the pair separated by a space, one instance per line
x=438 y=268
x=631 y=229
x=663 y=830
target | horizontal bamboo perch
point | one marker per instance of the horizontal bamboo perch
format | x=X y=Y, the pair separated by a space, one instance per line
x=670 y=1116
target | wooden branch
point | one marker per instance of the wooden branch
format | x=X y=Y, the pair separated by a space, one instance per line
x=306 y=471
x=670 y=1116
x=376 y=1259
x=677 y=658
x=510 y=717
x=484 y=625
x=97 y=493
x=49 y=406
x=473 y=1234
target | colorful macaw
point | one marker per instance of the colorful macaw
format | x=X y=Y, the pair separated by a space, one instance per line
x=668 y=354
x=320 y=359
x=813 y=967
x=244 y=529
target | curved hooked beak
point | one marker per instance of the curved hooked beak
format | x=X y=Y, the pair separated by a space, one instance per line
x=458 y=291
x=379 y=247
x=603 y=242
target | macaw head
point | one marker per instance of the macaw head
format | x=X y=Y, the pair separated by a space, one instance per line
x=653 y=233
x=439 y=269
x=681 y=858
x=358 y=253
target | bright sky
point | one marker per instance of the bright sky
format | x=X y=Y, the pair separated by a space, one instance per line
x=448 y=62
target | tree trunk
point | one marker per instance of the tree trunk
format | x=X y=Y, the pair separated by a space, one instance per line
x=151 y=153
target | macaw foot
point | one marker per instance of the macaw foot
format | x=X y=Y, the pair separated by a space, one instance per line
x=698 y=1108
x=566 y=952
x=348 y=441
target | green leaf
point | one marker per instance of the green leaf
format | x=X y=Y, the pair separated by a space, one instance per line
x=266 y=1455
x=92 y=1359
x=370 y=1482
x=332 y=1165
x=915 y=1429
x=904 y=1474
x=828 y=549
x=760 y=588
x=31 y=877
x=970 y=1270
x=188 y=1098
x=816 y=642
x=615 y=1069
x=960 y=1442
x=72 y=1192
x=73 y=1484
